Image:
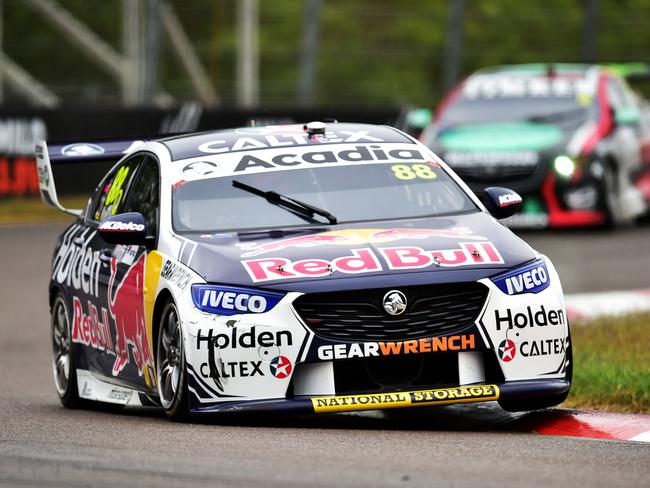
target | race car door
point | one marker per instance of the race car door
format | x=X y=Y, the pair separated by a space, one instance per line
x=129 y=358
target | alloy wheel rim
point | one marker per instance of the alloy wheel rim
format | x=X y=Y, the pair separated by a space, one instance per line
x=60 y=347
x=170 y=358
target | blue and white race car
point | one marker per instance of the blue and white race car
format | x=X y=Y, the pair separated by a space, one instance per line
x=316 y=268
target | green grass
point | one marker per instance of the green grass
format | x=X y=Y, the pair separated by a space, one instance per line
x=18 y=210
x=612 y=364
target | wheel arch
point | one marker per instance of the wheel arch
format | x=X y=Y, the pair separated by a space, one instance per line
x=165 y=296
x=54 y=290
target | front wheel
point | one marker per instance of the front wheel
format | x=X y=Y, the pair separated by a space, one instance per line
x=170 y=364
x=63 y=364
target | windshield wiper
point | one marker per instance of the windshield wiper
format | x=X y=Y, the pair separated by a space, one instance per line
x=286 y=202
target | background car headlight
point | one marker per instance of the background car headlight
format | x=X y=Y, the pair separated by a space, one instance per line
x=231 y=300
x=564 y=166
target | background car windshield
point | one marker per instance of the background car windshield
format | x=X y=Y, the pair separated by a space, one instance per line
x=351 y=193
x=555 y=110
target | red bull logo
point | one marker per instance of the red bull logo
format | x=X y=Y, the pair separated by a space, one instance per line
x=91 y=329
x=366 y=261
x=356 y=237
x=126 y=306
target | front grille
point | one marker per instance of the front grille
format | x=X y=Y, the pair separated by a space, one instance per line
x=489 y=174
x=524 y=180
x=359 y=315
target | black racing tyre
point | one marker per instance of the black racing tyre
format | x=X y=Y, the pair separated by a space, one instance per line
x=63 y=363
x=171 y=368
x=547 y=401
x=609 y=197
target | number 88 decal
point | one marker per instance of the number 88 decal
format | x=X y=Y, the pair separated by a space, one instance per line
x=405 y=172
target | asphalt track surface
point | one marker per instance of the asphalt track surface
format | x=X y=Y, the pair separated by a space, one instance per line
x=42 y=444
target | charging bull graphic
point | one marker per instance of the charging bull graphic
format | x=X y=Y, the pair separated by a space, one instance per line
x=126 y=305
x=354 y=237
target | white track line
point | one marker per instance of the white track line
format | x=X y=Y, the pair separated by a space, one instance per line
x=642 y=437
x=593 y=305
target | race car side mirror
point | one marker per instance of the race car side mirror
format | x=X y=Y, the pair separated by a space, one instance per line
x=127 y=228
x=501 y=202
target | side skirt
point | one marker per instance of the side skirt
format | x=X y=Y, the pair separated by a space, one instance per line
x=93 y=388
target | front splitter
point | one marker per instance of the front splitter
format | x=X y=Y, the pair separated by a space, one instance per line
x=514 y=390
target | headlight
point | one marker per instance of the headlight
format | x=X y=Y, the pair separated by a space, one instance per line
x=564 y=166
x=231 y=300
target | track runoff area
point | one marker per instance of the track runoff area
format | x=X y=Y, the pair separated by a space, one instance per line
x=589 y=423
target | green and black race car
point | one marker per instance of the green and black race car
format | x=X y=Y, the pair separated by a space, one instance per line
x=573 y=140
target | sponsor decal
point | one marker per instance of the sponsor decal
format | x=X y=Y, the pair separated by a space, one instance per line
x=129 y=255
x=217 y=235
x=76 y=264
x=91 y=329
x=200 y=168
x=44 y=176
x=265 y=269
x=416 y=346
x=120 y=395
x=267 y=342
x=543 y=347
x=232 y=369
x=529 y=279
x=251 y=338
x=86 y=390
x=507 y=350
x=356 y=237
x=126 y=306
x=81 y=149
x=281 y=367
x=126 y=309
x=529 y=318
x=467 y=254
x=176 y=274
x=440 y=396
x=365 y=261
x=357 y=154
x=457 y=159
x=116 y=226
x=226 y=300
x=519 y=86
x=507 y=199
x=281 y=136
x=527 y=220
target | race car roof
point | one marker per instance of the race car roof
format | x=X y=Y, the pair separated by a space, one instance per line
x=538 y=69
x=267 y=137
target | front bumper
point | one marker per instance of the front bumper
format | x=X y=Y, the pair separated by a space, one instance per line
x=510 y=391
x=517 y=345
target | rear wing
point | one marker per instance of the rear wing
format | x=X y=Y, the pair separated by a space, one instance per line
x=78 y=153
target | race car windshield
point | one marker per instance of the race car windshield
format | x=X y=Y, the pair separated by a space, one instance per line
x=354 y=193
x=554 y=110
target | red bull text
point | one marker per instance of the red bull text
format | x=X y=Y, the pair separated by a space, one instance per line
x=366 y=261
